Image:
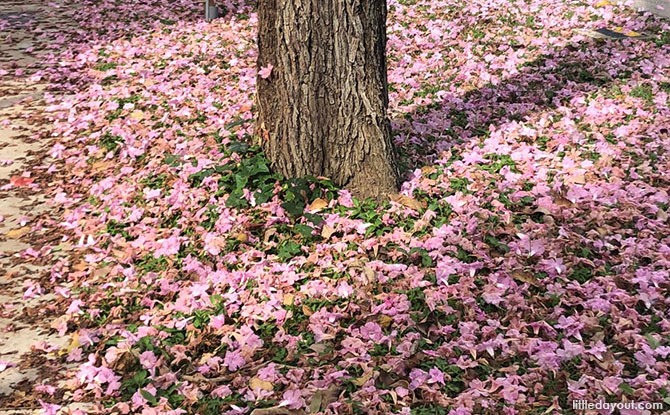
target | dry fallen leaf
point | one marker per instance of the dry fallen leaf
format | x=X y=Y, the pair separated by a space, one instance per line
x=74 y=343
x=317 y=205
x=525 y=276
x=327 y=231
x=288 y=299
x=307 y=311
x=137 y=115
x=578 y=179
x=80 y=266
x=408 y=202
x=268 y=234
x=385 y=321
x=322 y=398
x=426 y=170
x=20 y=181
x=18 y=232
x=100 y=166
x=276 y=410
x=369 y=274
x=563 y=202
x=363 y=379
x=257 y=383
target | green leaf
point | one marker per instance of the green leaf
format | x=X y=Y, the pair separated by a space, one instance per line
x=197 y=178
x=295 y=207
x=236 y=199
x=288 y=249
x=653 y=343
x=264 y=193
x=626 y=388
x=241 y=181
x=149 y=397
x=236 y=123
x=238 y=147
x=172 y=160
x=304 y=230
x=316 y=219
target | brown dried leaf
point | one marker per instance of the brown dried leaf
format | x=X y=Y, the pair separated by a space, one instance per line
x=363 y=379
x=579 y=179
x=525 y=276
x=257 y=383
x=426 y=170
x=100 y=166
x=268 y=234
x=385 y=321
x=369 y=274
x=137 y=115
x=408 y=202
x=288 y=299
x=20 y=181
x=327 y=231
x=124 y=362
x=322 y=398
x=563 y=202
x=80 y=266
x=307 y=311
x=18 y=232
x=277 y=410
x=317 y=205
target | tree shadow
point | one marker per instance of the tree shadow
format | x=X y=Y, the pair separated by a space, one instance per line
x=544 y=84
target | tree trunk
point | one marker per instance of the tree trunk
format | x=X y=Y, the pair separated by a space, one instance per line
x=322 y=109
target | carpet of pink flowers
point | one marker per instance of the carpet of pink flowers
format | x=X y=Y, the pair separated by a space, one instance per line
x=524 y=265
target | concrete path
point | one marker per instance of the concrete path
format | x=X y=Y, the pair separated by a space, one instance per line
x=23 y=323
x=658 y=7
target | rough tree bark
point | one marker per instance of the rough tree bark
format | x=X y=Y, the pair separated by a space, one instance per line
x=322 y=109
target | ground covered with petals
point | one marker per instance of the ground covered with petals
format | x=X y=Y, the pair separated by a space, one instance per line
x=523 y=265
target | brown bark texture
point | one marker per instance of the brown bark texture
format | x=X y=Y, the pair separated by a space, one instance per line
x=322 y=111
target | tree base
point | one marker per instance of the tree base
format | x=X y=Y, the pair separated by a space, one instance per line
x=323 y=95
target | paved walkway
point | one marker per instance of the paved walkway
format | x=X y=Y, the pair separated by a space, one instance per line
x=23 y=323
x=658 y=7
